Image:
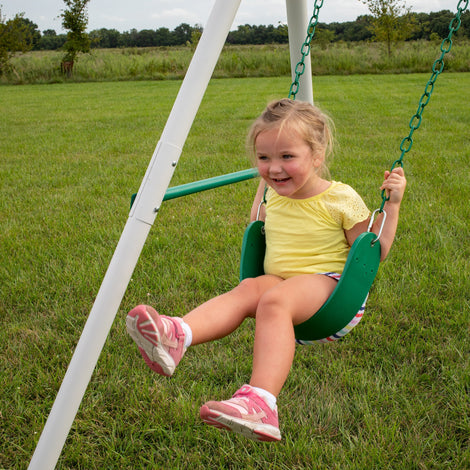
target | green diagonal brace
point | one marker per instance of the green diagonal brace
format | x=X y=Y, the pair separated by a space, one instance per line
x=209 y=183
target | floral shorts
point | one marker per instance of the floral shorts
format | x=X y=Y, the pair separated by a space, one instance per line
x=344 y=331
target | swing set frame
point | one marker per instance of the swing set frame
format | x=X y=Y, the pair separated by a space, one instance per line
x=153 y=191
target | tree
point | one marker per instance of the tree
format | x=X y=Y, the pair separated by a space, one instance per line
x=146 y=38
x=163 y=37
x=196 y=35
x=50 y=40
x=439 y=22
x=75 y=20
x=391 y=21
x=182 y=34
x=32 y=31
x=129 y=38
x=105 y=38
x=323 y=37
x=359 y=30
x=15 y=36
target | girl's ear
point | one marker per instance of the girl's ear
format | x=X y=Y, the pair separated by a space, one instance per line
x=318 y=158
x=319 y=164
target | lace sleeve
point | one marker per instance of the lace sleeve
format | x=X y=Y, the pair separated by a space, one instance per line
x=347 y=207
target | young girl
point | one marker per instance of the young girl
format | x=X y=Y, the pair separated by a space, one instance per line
x=310 y=224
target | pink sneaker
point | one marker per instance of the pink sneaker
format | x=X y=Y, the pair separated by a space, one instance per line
x=160 y=339
x=245 y=413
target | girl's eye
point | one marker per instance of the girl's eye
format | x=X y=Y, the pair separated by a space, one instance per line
x=262 y=157
x=287 y=157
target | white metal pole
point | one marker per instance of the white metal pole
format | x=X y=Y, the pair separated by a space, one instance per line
x=297 y=21
x=141 y=218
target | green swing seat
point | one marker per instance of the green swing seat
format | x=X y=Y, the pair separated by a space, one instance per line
x=353 y=287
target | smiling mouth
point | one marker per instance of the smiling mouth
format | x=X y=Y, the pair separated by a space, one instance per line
x=280 y=180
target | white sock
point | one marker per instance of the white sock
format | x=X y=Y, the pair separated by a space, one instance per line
x=268 y=397
x=188 y=334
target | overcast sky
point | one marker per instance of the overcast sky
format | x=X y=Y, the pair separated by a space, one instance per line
x=125 y=15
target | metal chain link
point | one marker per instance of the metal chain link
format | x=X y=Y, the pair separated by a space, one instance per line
x=305 y=51
x=437 y=68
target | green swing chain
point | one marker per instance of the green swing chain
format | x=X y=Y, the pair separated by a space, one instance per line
x=437 y=68
x=300 y=67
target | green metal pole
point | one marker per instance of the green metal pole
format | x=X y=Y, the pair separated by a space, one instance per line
x=210 y=183
x=204 y=185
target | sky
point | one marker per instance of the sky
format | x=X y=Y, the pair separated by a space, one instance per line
x=125 y=15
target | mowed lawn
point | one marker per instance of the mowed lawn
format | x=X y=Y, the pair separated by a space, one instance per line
x=394 y=394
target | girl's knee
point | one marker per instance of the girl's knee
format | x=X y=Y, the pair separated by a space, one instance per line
x=247 y=293
x=259 y=285
x=248 y=287
x=272 y=303
x=252 y=291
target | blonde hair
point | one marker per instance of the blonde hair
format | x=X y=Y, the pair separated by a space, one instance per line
x=306 y=120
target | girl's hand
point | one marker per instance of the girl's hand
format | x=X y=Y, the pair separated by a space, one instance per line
x=394 y=185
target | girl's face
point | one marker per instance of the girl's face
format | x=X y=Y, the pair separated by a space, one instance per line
x=287 y=163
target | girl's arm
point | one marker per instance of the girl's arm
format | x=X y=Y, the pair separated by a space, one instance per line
x=257 y=201
x=394 y=185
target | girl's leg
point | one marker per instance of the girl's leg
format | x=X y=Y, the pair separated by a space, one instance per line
x=250 y=411
x=162 y=340
x=223 y=314
x=287 y=304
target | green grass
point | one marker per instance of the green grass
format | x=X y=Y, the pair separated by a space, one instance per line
x=270 y=60
x=394 y=394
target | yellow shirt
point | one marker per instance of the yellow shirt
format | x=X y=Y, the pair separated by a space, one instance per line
x=306 y=236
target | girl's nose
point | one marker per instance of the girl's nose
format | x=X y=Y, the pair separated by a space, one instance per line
x=275 y=168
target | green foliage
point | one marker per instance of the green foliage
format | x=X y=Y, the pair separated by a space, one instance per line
x=392 y=21
x=236 y=61
x=393 y=394
x=428 y=26
x=75 y=20
x=50 y=40
x=422 y=25
x=195 y=37
x=252 y=34
x=323 y=37
x=15 y=36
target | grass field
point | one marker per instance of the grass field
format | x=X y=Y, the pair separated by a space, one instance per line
x=163 y=63
x=394 y=394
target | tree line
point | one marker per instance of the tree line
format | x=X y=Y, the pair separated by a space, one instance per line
x=426 y=26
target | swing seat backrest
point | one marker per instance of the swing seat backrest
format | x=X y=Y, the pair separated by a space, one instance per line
x=350 y=293
x=253 y=250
